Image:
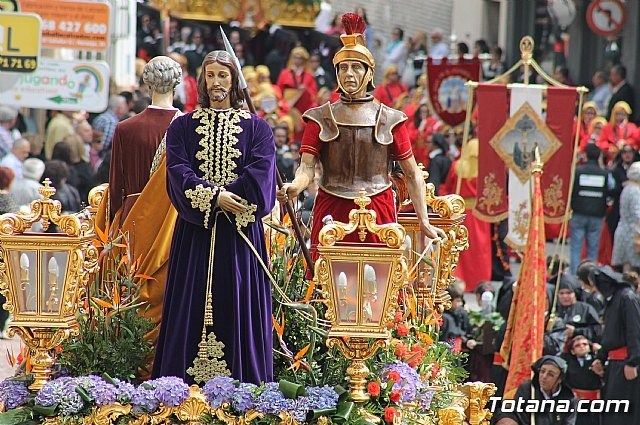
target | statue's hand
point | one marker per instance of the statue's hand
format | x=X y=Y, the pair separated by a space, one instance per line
x=286 y=192
x=431 y=231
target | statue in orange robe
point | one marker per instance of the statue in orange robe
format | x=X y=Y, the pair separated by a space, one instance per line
x=137 y=201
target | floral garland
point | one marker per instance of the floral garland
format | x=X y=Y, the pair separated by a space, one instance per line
x=75 y=396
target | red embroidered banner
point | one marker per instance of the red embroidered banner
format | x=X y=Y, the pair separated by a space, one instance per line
x=522 y=344
x=447 y=90
x=561 y=106
x=493 y=110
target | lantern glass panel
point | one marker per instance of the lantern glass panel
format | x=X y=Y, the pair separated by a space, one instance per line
x=23 y=268
x=345 y=276
x=375 y=279
x=53 y=270
x=423 y=271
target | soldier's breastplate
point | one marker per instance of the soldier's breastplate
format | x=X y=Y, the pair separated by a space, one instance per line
x=354 y=162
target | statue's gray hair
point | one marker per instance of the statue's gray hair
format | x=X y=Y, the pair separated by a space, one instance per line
x=162 y=75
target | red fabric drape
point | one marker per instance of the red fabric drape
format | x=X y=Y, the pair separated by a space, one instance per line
x=561 y=104
x=492 y=205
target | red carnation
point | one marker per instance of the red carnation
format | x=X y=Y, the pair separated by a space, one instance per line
x=373 y=388
x=434 y=371
x=400 y=350
x=403 y=329
x=390 y=413
x=394 y=376
x=394 y=396
x=398 y=317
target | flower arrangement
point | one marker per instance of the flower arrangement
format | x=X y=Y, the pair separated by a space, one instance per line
x=112 y=327
x=417 y=374
x=269 y=399
x=13 y=393
x=74 y=397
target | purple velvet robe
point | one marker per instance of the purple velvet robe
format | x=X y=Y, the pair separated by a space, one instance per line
x=196 y=167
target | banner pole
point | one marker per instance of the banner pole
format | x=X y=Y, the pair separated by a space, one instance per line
x=567 y=211
x=465 y=134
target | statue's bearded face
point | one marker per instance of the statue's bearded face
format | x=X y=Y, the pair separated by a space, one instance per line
x=218 y=79
x=353 y=76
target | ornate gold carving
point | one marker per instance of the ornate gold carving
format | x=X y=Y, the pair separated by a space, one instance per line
x=96 y=194
x=553 y=198
x=454 y=414
x=297 y=13
x=229 y=419
x=160 y=416
x=47 y=210
x=491 y=194
x=41 y=341
x=322 y=274
x=478 y=395
x=357 y=350
x=201 y=198
x=194 y=407
x=445 y=206
x=438 y=298
x=362 y=220
x=107 y=415
x=251 y=13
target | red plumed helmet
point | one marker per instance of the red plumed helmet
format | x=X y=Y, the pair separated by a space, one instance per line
x=354 y=46
x=353 y=24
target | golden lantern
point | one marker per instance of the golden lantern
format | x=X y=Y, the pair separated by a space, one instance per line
x=361 y=287
x=432 y=269
x=42 y=274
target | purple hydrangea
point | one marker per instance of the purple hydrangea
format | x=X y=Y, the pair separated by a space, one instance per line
x=302 y=407
x=424 y=398
x=409 y=383
x=61 y=392
x=13 y=394
x=100 y=391
x=322 y=397
x=243 y=396
x=170 y=390
x=271 y=401
x=125 y=391
x=317 y=398
x=144 y=399
x=219 y=390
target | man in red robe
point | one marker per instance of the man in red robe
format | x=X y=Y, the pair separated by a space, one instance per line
x=137 y=203
x=298 y=87
x=474 y=265
x=354 y=139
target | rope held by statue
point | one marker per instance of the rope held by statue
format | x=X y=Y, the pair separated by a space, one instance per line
x=252 y=109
